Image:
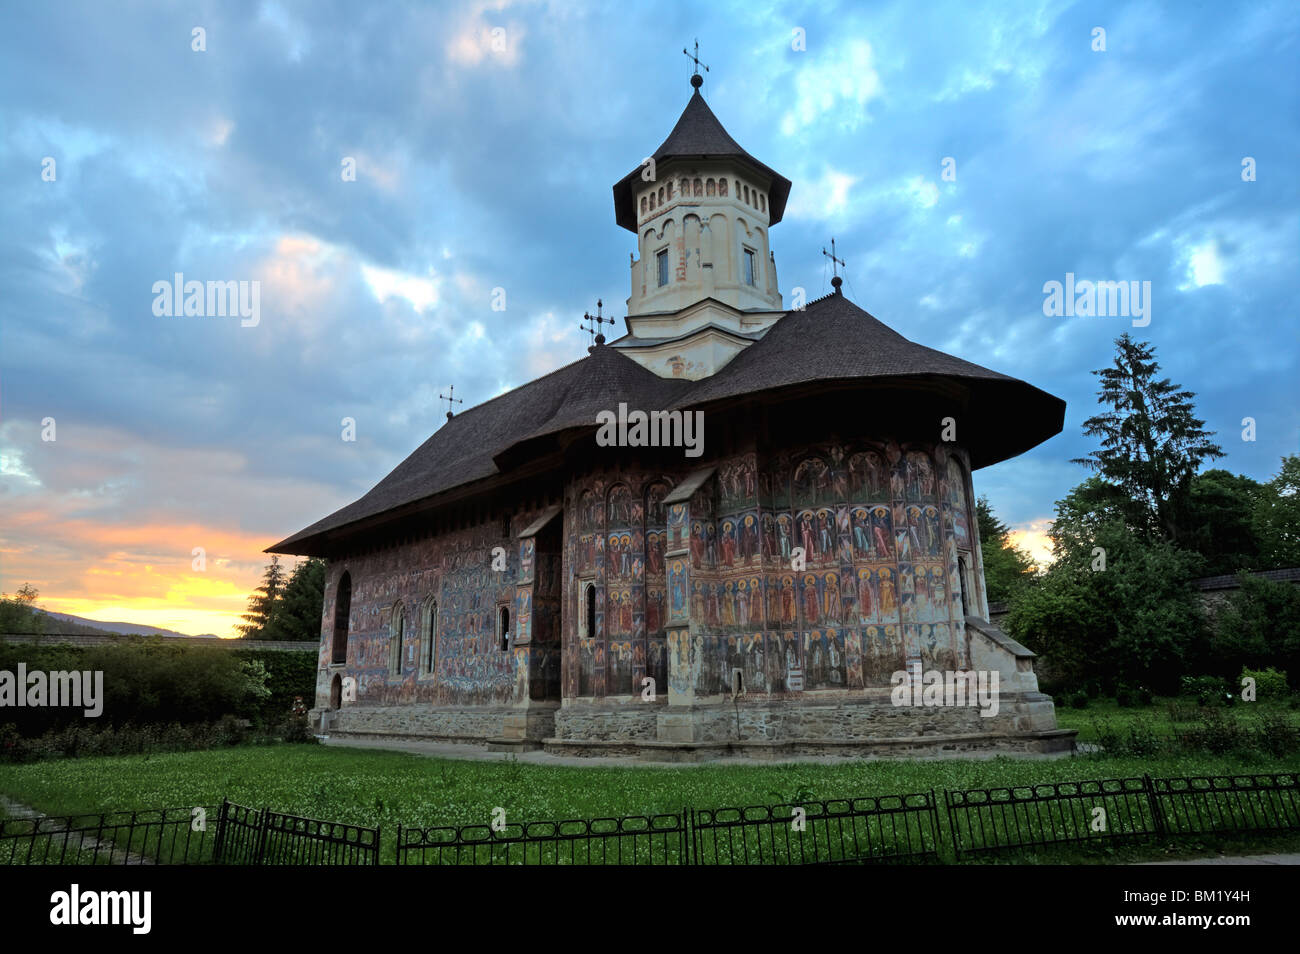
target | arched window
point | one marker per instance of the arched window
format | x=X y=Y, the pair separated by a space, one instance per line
x=762 y=201
x=336 y=692
x=710 y=188
x=652 y=201
x=963 y=584
x=428 y=657
x=396 y=633
x=342 y=609
x=661 y=195
x=722 y=187
x=686 y=188
x=699 y=188
x=747 y=195
x=643 y=205
x=590 y=610
x=503 y=627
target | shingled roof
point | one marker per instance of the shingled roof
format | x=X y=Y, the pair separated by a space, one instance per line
x=831 y=342
x=699 y=135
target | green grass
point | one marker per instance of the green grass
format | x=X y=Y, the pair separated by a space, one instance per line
x=1158 y=715
x=369 y=787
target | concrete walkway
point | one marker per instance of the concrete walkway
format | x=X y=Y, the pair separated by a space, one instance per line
x=1246 y=860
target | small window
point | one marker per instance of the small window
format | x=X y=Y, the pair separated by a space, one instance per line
x=662 y=261
x=396 y=632
x=749 y=267
x=762 y=199
x=342 y=608
x=590 y=614
x=503 y=627
x=643 y=205
x=428 y=659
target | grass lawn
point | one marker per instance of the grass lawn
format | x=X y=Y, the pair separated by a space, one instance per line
x=1163 y=715
x=369 y=787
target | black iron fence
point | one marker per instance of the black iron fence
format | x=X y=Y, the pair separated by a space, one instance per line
x=878 y=829
x=1000 y=820
x=247 y=836
x=176 y=836
x=987 y=820
x=630 y=840
x=1227 y=804
x=899 y=828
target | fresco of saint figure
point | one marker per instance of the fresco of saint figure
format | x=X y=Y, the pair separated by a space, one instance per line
x=832 y=597
x=807 y=534
x=861 y=533
x=825 y=532
x=888 y=594
x=810 y=601
x=866 y=596
x=881 y=530
x=727 y=541
x=783 y=535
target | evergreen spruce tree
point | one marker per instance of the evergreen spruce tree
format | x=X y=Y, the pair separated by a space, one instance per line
x=1152 y=443
x=262 y=605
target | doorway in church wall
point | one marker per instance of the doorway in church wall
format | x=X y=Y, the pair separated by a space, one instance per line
x=336 y=692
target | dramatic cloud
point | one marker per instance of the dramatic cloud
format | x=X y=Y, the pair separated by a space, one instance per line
x=382 y=170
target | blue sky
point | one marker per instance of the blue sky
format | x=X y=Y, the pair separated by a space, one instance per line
x=485 y=159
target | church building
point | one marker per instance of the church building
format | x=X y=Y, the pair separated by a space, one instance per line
x=721 y=533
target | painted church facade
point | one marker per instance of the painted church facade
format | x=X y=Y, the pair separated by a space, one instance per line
x=518 y=582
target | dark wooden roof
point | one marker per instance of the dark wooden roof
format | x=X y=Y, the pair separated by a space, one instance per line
x=832 y=343
x=699 y=135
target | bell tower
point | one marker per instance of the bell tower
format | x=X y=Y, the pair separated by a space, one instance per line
x=704 y=285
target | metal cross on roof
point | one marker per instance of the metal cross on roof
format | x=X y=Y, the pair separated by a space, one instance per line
x=836 y=280
x=695 y=58
x=593 y=323
x=450 y=399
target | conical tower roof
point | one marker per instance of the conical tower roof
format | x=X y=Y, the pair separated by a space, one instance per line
x=699 y=135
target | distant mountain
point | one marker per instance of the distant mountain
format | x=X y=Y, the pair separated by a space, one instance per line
x=66 y=624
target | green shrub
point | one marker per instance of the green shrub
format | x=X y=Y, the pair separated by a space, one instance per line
x=1269 y=683
x=1206 y=690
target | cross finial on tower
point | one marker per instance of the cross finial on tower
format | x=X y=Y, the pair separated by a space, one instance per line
x=696 y=79
x=592 y=325
x=836 y=281
x=448 y=397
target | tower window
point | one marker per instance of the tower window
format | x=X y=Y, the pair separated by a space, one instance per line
x=503 y=625
x=749 y=267
x=661 y=260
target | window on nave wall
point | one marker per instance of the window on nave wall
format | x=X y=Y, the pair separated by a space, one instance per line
x=342 y=609
x=396 y=634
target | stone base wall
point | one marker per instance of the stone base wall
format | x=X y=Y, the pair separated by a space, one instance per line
x=431 y=723
x=849 y=726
